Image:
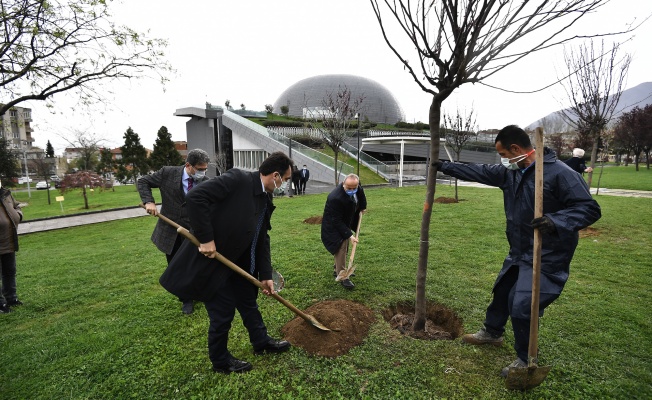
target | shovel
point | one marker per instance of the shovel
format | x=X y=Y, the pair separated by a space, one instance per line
x=183 y=231
x=348 y=271
x=533 y=375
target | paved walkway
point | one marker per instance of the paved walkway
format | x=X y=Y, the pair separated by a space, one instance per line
x=312 y=188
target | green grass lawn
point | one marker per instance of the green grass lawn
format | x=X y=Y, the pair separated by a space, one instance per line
x=37 y=206
x=623 y=177
x=97 y=325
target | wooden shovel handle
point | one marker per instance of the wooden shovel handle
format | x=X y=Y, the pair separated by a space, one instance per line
x=536 y=259
x=355 y=244
x=183 y=231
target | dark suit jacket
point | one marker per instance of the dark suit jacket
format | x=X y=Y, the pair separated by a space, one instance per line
x=304 y=178
x=577 y=164
x=225 y=209
x=168 y=180
x=341 y=214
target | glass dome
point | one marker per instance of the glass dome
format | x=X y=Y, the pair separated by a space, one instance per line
x=379 y=104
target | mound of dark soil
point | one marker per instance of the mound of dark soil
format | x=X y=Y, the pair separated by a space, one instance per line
x=350 y=321
x=316 y=220
x=589 y=231
x=445 y=200
x=442 y=323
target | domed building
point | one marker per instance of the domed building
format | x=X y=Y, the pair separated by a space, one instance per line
x=379 y=104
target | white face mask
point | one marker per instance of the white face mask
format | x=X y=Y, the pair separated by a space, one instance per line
x=274 y=180
x=198 y=175
x=512 y=165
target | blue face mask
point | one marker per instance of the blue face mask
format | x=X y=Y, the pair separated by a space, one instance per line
x=351 y=192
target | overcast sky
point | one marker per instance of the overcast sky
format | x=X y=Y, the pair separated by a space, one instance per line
x=250 y=51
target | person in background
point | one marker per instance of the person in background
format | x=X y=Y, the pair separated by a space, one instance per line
x=577 y=162
x=341 y=213
x=173 y=183
x=567 y=208
x=305 y=176
x=10 y=217
x=231 y=215
x=296 y=179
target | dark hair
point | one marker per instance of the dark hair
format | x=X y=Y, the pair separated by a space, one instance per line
x=276 y=162
x=197 y=156
x=512 y=134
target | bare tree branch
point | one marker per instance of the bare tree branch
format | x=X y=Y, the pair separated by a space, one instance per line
x=55 y=46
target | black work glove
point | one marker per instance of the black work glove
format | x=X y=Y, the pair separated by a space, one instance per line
x=544 y=225
x=437 y=164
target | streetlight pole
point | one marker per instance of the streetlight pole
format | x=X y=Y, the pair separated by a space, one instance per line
x=29 y=192
x=358 y=145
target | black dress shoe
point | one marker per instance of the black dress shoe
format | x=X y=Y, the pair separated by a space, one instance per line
x=347 y=284
x=233 y=365
x=188 y=307
x=273 y=346
x=16 y=302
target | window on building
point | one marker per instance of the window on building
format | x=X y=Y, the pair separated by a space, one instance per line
x=14 y=113
x=249 y=159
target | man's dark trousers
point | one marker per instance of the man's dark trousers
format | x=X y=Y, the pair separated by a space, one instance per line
x=500 y=308
x=236 y=293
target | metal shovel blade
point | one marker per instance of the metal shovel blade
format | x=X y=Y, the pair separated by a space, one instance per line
x=526 y=378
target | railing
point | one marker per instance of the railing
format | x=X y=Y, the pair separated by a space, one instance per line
x=298 y=147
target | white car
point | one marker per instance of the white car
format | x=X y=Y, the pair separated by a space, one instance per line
x=42 y=185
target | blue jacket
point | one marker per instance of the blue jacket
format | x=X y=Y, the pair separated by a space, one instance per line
x=566 y=201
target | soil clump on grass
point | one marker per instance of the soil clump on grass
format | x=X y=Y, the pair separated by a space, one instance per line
x=589 y=231
x=442 y=323
x=316 y=220
x=445 y=200
x=350 y=322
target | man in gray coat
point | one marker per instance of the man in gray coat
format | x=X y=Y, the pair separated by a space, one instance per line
x=567 y=208
x=174 y=183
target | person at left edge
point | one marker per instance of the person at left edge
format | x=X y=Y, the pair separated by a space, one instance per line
x=173 y=182
x=231 y=214
x=10 y=217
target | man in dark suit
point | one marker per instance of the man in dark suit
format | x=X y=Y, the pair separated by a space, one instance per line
x=341 y=213
x=231 y=215
x=304 y=177
x=174 y=183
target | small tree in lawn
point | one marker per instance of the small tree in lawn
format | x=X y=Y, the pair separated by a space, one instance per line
x=134 y=158
x=269 y=108
x=459 y=130
x=337 y=111
x=593 y=88
x=164 y=152
x=285 y=110
x=84 y=181
x=43 y=167
x=88 y=145
x=227 y=104
x=461 y=42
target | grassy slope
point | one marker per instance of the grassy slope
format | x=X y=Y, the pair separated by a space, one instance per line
x=96 y=324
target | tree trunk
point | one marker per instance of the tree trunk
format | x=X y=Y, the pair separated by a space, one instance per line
x=337 y=175
x=594 y=156
x=420 y=305
x=85 y=197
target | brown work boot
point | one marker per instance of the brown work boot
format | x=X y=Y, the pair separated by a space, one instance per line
x=482 y=337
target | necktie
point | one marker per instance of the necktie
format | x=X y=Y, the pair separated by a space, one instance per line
x=253 y=244
x=190 y=182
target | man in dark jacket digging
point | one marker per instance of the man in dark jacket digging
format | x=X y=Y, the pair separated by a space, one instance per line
x=341 y=213
x=230 y=214
x=173 y=183
x=567 y=208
